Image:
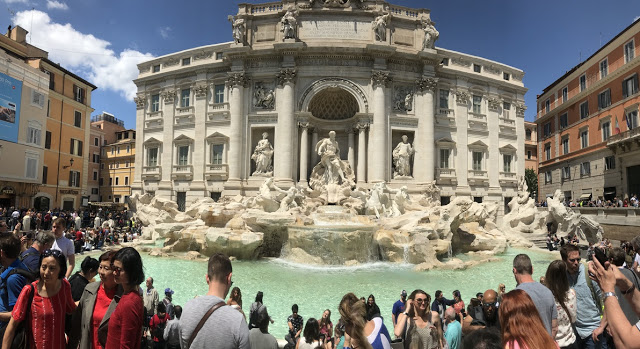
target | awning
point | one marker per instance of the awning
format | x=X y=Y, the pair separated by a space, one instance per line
x=585 y=197
x=107 y=204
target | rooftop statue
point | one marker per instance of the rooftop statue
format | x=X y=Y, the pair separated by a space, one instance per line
x=238 y=29
x=430 y=35
x=289 y=24
x=380 y=27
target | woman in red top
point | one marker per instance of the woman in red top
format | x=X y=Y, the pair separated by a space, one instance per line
x=125 y=324
x=51 y=301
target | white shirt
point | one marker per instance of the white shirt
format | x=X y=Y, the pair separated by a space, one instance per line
x=64 y=245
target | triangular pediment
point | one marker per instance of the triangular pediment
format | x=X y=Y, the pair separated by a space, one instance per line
x=478 y=144
x=509 y=148
x=445 y=140
x=217 y=136
x=152 y=140
x=183 y=138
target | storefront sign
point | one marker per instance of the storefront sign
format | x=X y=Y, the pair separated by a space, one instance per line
x=69 y=191
x=8 y=191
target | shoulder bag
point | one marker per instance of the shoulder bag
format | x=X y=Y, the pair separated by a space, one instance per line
x=202 y=321
x=21 y=338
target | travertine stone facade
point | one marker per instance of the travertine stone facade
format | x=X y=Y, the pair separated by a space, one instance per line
x=202 y=111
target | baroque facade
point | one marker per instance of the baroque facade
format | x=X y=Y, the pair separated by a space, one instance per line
x=219 y=119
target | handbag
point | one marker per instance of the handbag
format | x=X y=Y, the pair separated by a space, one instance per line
x=21 y=338
x=202 y=321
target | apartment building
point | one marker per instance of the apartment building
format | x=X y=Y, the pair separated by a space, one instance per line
x=587 y=120
x=96 y=140
x=118 y=160
x=531 y=146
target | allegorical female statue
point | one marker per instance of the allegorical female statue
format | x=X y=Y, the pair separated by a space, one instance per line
x=402 y=158
x=262 y=155
x=380 y=27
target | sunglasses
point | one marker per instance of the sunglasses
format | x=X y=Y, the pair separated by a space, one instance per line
x=489 y=304
x=420 y=300
x=574 y=260
x=49 y=253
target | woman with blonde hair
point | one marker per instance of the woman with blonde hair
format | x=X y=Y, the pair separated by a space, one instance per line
x=520 y=323
x=364 y=334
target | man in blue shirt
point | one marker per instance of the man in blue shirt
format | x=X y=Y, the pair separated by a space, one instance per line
x=440 y=304
x=398 y=307
x=453 y=335
x=11 y=283
x=31 y=257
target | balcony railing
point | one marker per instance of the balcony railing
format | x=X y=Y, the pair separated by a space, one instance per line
x=182 y=172
x=625 y=136
x=477 y=174
x=151 y=172
x=446 y=175
x=217 y=171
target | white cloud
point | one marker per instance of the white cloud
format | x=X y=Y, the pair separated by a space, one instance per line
x=635 y=19
x=164 y=32
x=84 y=54
x=56 y=5
x=16 y=1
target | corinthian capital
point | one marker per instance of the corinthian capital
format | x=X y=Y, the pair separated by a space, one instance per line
x=286 y=75
x=140 y=101
x=426 y=84
x=380 y=78
x=237 y=79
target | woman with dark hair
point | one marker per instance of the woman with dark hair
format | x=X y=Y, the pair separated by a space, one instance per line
x=235 y=300
x=372 y=308
x=310 y=338
x=326 y=328
x=91 y=318
x=565 y=299
x=459 y=303
x=79 y=280
x=520 y=323
x=50 y=299
x=416 y=323
x=125 y=325
x=255 y=308
x=364 y=334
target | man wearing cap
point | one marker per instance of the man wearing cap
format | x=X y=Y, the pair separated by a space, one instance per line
x=398 y=307
x=167 y=302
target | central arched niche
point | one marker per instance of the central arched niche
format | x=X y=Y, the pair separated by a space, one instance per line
x=333 y=103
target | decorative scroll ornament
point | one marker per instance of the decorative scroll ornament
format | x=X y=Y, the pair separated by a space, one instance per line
x=462 y=97
x=238 y=79
x=285 y=76
x=140 y=101
x=303 y=124
x=520 y=108
x=201 y=91
x=203 y=55
x=169 y=97
x=380 y=78
x=361 y=126
x=494 y=103
x=426 y=84
x=171 y=62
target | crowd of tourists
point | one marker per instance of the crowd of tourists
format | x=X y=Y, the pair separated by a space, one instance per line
x=628 y=201
x=43 y=305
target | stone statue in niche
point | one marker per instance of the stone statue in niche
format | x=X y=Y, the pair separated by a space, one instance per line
x=329 y=152
x=264 y=97
x=430 y=35
x=262 y=155
x=289 y=24
x=380 y=27
x=402 y=159
x=403 y=99
x=238 y=29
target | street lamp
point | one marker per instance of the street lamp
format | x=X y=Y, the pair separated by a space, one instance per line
x=70 y=164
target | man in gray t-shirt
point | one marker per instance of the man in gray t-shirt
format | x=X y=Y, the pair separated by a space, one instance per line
x=540 y=294
x=226 y=328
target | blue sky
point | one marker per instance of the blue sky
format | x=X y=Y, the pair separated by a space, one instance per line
x=103 y=41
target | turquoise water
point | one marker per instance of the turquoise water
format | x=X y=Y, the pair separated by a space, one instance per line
x=315 y=289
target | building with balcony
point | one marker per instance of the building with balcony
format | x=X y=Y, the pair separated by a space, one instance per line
x=118 y=159
x=202 y=112
x=96 y=139
x=531 y=146
x=587 y=122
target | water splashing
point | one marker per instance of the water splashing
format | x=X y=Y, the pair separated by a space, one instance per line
x=450 y=251
x=405 y=254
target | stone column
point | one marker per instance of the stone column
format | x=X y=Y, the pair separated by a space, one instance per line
x=167 y=159
x=424 y=159
x=236 y=82
x=283 y=164
x=304 y=152
x=314 y=141
x=351 y=151
x=200 y=160
x=379 y=128
x=362 y=153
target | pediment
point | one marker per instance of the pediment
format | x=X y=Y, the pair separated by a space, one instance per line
x=152 y=140
x=183 y=138
x=217 y=137
x=478 y=144
x=445 y=140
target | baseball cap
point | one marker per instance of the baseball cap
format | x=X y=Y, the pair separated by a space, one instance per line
x=403 y=293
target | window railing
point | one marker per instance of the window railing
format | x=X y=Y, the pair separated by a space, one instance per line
x=477 y=174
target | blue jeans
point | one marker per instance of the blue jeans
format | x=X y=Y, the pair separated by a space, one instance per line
x=588 y=343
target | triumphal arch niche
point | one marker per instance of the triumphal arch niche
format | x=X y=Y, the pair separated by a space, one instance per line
x=352 y=91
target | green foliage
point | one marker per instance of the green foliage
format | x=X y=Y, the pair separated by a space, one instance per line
x=531 y=178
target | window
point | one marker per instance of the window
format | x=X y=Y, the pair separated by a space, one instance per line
x=117 y=164
x=604 y=99
x=584 y=138
x=585 y=168
x=630 y=86
x=444 y=158
x=31 y=170
x=45 y=172
x=528 y=154
x=604 y=68
x=48 y=107
x=609 y=162
x=629 y=51
x=445 y=61
x=186 y=61
x=156 y=68
x=632 y=119
x=152 y=157
x=95 y=175
x=119 y=135
x=155 y=103
x=565 y=94
x=528 y=134
x=566 y=172
x=94 y=191
x=216 y=154
x=506 y=160
x=219 y=55
x=547 y=105
x=565 y=145
x=113 y=150
x=78 y=119
x=34 y=134
x=183 y=155
x=584 y=110
x=444 y=99
x=477 y=160
x=76 y=147
x=547 y=177
x=606 y=130
x=96 y=158
x=102 y=166
x=218 y=94
x=547 y=151
x=126 y=164
x=477 y=199
x=118 y=150
x=74 y=178
x=110 y=181
x=506 y=76
x=37 y=99
x=506 y=107
x=583 y=83
x=78 y=94
x=96 y=142
x=126 y=180
x=477 y=104
x=564 y=120
x=184 y=97
x=117 y=180
x=547 y=129
x=477 y=68
x=52 y=80
x=128 y=149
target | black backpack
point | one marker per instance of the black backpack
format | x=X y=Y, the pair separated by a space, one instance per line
x=158 y=331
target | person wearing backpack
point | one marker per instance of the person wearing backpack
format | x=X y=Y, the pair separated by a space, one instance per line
x=12 y=279
x=157 y=325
